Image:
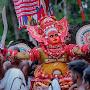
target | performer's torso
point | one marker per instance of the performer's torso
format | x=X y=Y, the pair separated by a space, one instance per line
x=53 y=55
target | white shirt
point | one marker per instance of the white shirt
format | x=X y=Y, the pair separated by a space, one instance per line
x=13 y=80
x=54 y=85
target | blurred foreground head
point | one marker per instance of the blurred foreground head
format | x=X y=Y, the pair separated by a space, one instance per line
x=77 y=67
x=86 y=78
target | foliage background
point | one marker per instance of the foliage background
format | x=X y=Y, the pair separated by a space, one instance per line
x=73 y=14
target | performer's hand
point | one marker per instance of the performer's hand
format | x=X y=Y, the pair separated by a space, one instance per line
x=77 y=51
x=22 y=55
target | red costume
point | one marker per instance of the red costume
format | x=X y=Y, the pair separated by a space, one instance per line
x=53 y=53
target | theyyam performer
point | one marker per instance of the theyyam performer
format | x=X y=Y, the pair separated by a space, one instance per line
x=53 y=54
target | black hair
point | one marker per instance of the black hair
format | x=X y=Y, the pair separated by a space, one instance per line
x=87 y=74
x=28 y=43
x=34 y=63
x=33 y=67
x=16 y=48
x=78 y=66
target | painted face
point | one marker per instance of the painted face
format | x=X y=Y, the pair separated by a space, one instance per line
x=53 y=37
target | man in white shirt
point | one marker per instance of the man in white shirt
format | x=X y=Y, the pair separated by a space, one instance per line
x=13 y=80
x=54 y=85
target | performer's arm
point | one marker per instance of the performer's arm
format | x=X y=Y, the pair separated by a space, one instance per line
x=22 y=56
x=81 y=50
x=32 y=55
x=15 y=54
x=72 y=49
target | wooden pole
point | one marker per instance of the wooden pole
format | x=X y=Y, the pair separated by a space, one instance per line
x=14 y=20
x=4 y=18
x=65 y=9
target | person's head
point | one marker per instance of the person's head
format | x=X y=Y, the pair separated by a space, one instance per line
x=24 y=66
x=52 y=36
x=68 y=38
x=86 y=78
x=77 y=67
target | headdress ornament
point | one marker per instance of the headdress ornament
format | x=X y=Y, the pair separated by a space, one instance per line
x=46 y=23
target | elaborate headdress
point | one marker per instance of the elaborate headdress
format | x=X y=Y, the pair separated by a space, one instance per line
x=45 y=24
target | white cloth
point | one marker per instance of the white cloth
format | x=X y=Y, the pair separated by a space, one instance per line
x=13 y=80
x=28 y=83
x=1 y=85
x=50 y=88
x=54 y=85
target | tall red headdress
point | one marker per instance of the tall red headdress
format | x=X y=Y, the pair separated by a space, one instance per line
x=45 y=23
